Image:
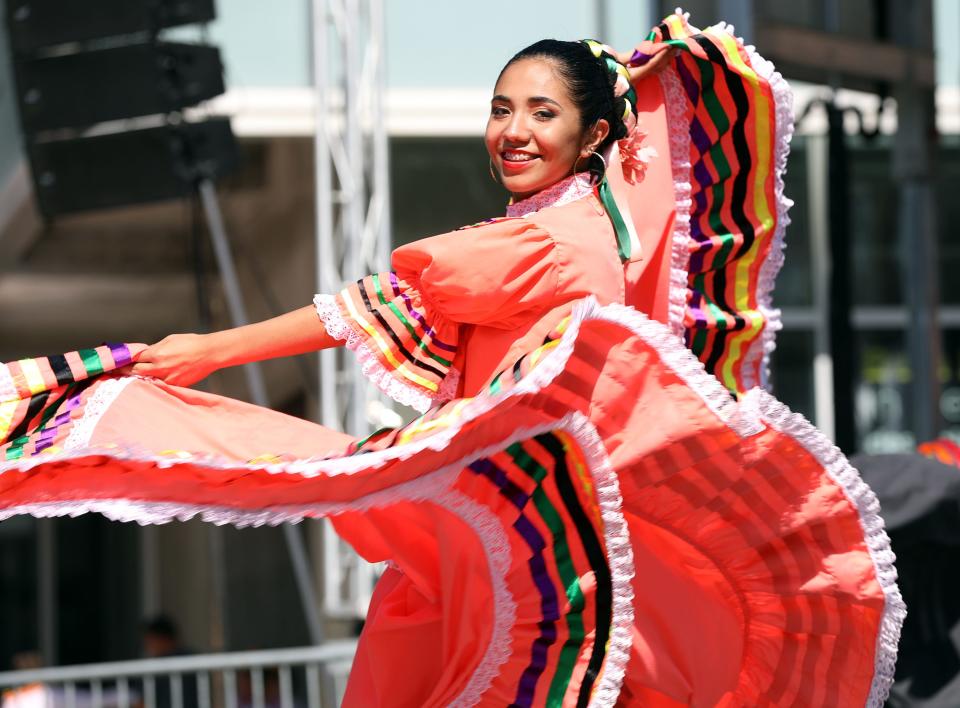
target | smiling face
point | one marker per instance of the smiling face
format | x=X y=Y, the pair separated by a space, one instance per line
x=534 y=134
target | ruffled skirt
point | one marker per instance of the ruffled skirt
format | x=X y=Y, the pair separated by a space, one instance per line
x=605 y=526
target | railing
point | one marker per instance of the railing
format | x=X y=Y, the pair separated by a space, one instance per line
x=308 y=677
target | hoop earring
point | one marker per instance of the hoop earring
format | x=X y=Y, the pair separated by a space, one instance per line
x=592 y=154
x=493 y=174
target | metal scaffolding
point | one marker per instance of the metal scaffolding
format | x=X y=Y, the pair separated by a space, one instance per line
x=352 y=229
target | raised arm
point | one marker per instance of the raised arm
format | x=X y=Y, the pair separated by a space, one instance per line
x=184 y=359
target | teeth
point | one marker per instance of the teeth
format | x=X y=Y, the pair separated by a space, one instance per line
x=518 y=156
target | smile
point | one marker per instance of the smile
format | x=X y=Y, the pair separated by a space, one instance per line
x=517 y=156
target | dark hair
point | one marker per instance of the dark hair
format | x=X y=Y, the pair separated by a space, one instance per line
x=161 y=626
x=589 y=83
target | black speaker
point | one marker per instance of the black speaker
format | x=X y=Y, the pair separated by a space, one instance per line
x=72 y=85
x=130 y=167
x=91 y=87
x=33 y=24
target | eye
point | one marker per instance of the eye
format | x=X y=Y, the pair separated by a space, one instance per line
x=498 y=111
x=544 y=114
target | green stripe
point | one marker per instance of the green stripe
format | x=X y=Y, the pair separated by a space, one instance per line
x=15 y=451
x=719 y=314
x=721 y=123
x=53 y=409
x=699 y=342
x=568 y=574
x=91 y=362
x=406 y=323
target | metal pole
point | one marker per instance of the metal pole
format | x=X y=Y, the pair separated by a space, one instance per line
x=842 y=341
x=913 y=149
x=231 y=285
x=47 y=589
x=355 y=198
x=817 y=188
x=258 y=391
x=323 y=184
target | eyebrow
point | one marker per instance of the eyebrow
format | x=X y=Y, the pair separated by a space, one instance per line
x=532 y=99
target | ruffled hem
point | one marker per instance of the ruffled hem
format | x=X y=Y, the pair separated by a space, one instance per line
x=758 y=356
x=675 y=100
x=750 y=417
x=400 y=391
x=779 y=417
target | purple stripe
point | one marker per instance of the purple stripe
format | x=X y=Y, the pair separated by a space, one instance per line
x=549 y=607
x=417 y=316
x=120 y=352
x=690 y=84
x=549 y=604
x=508 y=489
x=699 y=136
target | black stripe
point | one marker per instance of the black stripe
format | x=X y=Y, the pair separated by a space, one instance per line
x=36 y=404
x=61 y=369
x=717 y=350
x=51 y=410
x=396 y=340
x=738 y=195
x=596 y=557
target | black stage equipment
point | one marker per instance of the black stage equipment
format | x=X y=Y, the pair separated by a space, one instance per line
x=42 y=23
x=130 y=167
x=108 y=84
x=80 y=65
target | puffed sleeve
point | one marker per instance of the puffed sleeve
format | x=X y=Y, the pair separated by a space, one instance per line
x=404 y=325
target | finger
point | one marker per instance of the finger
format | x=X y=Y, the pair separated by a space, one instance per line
x=143 y=369
x=136 y=349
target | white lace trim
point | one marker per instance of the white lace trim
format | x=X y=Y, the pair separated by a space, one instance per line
x=616 y=536
x=8 y=391
x=400 y=391
x=563 y=192
x=779 y=417
x=102 y=398
x=675 y=100
x=492 y=535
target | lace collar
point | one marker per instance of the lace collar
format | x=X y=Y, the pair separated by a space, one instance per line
x=563 y=192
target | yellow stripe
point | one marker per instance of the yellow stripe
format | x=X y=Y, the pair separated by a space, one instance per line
x=32 y=375
x=7 y=409
x=540 y=351
x=384 y=346
x=676 y=26
x=743 y=287
x=449 y=417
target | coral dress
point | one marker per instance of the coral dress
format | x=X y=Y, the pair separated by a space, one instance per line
x=597 y=506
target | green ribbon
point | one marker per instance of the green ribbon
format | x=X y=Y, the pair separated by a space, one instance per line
x=616 y=218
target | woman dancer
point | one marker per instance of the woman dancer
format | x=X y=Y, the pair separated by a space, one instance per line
x=588 y=511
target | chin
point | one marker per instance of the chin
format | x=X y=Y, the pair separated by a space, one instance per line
x=526 y=187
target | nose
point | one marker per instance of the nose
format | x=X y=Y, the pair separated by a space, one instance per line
x=517 y=129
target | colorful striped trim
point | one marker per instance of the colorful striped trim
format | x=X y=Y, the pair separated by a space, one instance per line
x=730 y=121
x=38 y=397
x=406 y=350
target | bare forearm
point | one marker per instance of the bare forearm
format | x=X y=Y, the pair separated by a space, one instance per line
x=296 y=332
